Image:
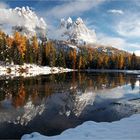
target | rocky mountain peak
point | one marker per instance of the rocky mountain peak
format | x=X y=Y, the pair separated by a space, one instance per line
x=76 y=31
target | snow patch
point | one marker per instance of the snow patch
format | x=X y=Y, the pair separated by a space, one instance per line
x=28 y=70
x=72 y=46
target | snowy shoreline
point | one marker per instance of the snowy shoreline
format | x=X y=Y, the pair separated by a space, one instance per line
x=29 y=70
x=114 y=70
x=127 y=128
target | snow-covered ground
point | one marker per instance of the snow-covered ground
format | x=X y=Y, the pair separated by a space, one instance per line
x=125 y=129
x=115 y=70
x=28 y=70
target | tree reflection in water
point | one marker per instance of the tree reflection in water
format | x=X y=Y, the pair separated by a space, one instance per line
x=19 y=90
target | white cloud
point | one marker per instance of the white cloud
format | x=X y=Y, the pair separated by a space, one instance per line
x=128 y=29
x=136 y=2
x=70 y=8
x=137 y=52
x=133 y=46
x=9 y=17
x=73 y=8
x=115 y=11
x=3 y=5
x=129 y=26
x=111 y=41
x=117 y=42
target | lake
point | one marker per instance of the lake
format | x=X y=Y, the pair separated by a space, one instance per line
x=50 y=104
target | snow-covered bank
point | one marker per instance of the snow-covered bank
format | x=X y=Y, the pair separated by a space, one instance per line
x=115 y=70
x=125 y=129
x=28 y=70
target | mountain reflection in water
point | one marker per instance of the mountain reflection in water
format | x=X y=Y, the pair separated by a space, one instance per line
x=51 y=104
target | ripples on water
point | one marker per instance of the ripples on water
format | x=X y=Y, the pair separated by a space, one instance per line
x=50 y=104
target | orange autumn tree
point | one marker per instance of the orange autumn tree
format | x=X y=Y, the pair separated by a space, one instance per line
x=72 y=56
x=50 y=54
x=80 y=62
x=74 y=59
x=35 y=42
x=20 y=43
x=106 y=61
x=100 y=62
x=9 y=41
x=35 y=49
x=90 y=56
x=121 y=62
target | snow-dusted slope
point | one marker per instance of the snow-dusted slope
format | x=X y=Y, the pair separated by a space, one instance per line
x=23 y=20
x=76 y=31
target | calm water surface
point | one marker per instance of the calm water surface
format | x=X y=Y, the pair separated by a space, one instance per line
x=50 y=104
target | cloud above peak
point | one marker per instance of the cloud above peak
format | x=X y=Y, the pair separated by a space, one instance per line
x=3 y=5
x=118 y=42
x=129 y=26
x=116 y=11
x=23 y=20
x=111 y=41
x=73 y=8
x=137 y=52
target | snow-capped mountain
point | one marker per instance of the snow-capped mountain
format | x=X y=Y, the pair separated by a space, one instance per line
x=23 y=20
x=76 y=31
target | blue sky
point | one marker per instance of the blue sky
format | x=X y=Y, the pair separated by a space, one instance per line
x=116 y=22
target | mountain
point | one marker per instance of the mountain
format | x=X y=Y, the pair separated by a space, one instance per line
x=76 y=32
x=32 y=24
x=71 y=34
x=96 y=49
x=23 y=20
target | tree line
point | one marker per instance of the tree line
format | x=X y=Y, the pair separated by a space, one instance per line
x=19 y=49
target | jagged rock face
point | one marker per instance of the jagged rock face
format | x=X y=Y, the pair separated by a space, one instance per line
x=76 y=31
x=33 y=25
x=23 y=20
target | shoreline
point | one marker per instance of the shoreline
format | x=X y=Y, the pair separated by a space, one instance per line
x=113 y=70
x=90 y=130
x=30 y=70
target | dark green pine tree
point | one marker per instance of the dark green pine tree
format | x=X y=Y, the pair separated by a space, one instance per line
x=42 y=58
x=39 y=61
x=17 y=57
x=2 y=48
x=59 y=60
x=133 y=61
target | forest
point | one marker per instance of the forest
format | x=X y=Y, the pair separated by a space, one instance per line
x=18 y=49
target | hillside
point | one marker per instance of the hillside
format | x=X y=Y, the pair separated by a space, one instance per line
x=96 y=48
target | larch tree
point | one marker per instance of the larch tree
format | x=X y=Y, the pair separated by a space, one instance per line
x=121 y=62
